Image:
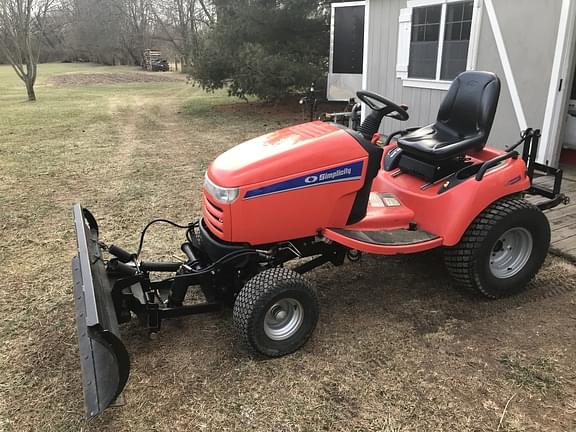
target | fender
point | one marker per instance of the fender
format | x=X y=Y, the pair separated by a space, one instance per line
x=448 y=214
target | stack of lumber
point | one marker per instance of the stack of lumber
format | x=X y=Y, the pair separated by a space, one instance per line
x=150 y=56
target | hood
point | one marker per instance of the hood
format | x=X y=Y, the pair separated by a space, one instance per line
x=284 y=153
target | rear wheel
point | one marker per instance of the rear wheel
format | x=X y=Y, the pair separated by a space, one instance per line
x=276 y=312
x=502 y=249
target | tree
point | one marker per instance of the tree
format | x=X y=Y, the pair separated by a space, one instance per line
x=135 y=28
x=21 y=22
x=95 y=31
x=266 y=48
x=182 y=23
x=118 y=31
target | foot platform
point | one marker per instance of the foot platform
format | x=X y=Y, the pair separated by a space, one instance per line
x=385 y=242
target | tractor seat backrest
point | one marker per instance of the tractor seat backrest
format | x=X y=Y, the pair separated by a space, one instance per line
x=470 y=104
x=464 y=120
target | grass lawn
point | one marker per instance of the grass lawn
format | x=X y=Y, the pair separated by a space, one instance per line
x=397 y=348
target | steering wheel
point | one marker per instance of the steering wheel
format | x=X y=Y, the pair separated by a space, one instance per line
x=382 y=105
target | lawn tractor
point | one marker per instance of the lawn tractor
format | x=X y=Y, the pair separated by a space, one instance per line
x=320 y=193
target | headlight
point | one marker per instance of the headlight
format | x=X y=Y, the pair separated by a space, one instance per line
x=221 y=194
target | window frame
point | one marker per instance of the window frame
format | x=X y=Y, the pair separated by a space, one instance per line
x=345 y=79
x=438 y=83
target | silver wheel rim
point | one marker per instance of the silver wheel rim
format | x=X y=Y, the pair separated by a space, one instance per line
x=283 y=319
x=511 y=252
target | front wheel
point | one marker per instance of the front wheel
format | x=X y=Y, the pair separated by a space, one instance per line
x=276 y=312
x=502 y=250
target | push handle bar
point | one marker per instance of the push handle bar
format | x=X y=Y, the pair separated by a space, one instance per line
x=493 y=162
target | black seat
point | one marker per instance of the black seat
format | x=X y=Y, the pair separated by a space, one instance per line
x=464 y=120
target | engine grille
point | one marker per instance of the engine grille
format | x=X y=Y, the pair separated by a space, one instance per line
x=213 y=216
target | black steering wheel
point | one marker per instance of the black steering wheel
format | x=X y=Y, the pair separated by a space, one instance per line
x=382 y=105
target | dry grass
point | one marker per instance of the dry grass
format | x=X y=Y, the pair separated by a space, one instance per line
x=397 y=347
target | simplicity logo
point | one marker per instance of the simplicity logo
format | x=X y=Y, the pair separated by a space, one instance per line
x=348 y=172
x=328 y=176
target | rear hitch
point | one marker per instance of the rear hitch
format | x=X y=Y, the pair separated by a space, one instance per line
x=530 y=140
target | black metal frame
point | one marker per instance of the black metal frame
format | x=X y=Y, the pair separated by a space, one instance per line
x=220 y=280
x=531 y=140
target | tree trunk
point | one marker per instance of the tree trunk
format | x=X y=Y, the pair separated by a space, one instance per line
x=30 y=90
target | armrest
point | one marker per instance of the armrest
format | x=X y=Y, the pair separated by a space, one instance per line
x=494 y=162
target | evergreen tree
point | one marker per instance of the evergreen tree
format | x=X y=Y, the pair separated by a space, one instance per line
x=266 y=48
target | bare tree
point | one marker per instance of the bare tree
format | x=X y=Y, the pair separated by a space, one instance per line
x=181 y=23
x=108 y=31
x=137 y=27
x=21 y=21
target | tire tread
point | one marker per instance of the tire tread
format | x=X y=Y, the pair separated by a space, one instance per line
x=251 y=302
x=460 y=260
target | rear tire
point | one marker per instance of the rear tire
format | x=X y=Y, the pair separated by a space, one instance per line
x=502 y=250
x=275 y=313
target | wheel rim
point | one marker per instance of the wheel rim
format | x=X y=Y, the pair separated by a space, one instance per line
x=511 y=252
x=283 y=319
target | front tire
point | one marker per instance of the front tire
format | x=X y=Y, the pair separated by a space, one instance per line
x=502 y=250
x=275 y=313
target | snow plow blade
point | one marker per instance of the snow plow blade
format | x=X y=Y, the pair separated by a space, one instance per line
x=103 y=357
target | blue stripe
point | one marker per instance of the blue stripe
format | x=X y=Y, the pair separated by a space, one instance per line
x=342 y=173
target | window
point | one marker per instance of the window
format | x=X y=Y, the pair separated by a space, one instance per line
x=348 y=40
x=456 y=39
x=434 y=41
x=346 y=64
x=424 y=42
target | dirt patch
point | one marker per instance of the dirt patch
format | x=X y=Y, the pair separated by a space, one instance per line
x=85 y=79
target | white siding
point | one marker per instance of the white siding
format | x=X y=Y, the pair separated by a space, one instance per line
x=529 y=29
x=381 y=72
